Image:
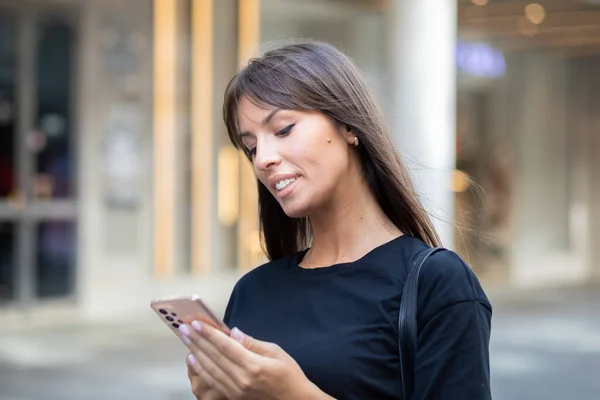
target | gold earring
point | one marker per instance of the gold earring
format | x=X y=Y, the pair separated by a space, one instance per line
x=356 y=141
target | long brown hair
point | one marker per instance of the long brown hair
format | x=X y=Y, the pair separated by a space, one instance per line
x=317 y=76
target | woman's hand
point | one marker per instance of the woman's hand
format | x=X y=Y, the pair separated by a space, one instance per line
x=240 y=367
x=199 y=387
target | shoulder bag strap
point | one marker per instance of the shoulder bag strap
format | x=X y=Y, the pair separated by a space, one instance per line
x=407 y=323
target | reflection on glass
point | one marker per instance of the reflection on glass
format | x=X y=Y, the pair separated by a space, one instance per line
x=7 y=106
x=7 y=261
x=51 y=140
x=55 y=258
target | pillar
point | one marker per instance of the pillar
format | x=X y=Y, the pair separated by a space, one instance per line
x=594 y=173
x=423 y=80
x=249 y=250
x=545 y=248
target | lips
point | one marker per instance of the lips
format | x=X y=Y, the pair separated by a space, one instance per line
x=282 y=184
x=281 y=181
x=287 y=189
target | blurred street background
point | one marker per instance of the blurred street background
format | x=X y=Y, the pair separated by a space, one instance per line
x=118 y=183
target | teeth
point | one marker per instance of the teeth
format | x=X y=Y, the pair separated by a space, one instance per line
x=283 y=183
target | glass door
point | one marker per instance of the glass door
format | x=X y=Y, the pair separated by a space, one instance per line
x=37 y=156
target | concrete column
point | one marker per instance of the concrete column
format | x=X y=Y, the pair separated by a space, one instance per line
x=225 y=48
x=594 y=173
x=582 y=97
x=114 y=103
x=542 y=251
x=423 y=80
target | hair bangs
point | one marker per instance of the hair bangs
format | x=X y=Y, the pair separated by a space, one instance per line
x=265 y=86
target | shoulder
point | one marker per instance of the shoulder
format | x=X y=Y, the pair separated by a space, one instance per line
x=264 y=274
x=446 y=280
x=255 y=282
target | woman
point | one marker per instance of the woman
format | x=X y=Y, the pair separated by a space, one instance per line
x=341 y=225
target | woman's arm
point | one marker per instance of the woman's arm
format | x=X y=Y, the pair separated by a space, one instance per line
x=452 y=360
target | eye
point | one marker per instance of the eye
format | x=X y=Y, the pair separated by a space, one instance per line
x=248 y=146
x=285 y=131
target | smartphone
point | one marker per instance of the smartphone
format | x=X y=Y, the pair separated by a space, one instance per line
x=175 y=311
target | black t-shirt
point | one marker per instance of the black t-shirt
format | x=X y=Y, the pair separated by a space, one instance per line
x=340 y=323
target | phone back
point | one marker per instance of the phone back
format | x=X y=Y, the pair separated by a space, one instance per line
x=175 y=311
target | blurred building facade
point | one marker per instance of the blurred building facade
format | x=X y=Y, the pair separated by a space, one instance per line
x=527 y=135
x=118 y=183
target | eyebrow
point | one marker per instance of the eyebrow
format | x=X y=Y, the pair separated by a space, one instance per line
x=265 y=121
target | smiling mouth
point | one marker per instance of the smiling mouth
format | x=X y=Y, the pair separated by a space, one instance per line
x=282 y=184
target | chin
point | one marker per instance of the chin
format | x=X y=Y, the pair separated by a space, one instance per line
x=295 y=211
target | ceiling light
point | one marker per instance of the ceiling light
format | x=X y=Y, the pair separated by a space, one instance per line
x=536 y=13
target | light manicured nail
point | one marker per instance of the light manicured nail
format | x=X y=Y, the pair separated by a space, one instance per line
x=184 y=329
x=237 y=334
x=197 y=326
x=191 y=359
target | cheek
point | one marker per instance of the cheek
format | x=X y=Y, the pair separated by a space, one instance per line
x=317 y=152
x=327 y=167
x=262 y=176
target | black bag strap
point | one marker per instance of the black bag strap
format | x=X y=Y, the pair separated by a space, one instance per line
x=407 y=323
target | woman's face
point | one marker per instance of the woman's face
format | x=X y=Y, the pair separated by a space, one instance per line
x=300 y=156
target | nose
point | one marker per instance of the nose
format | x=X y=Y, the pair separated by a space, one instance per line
x=266 y=156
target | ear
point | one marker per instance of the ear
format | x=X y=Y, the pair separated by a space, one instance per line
x=348 y=135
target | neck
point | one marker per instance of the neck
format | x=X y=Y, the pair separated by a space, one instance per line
x=350 y=228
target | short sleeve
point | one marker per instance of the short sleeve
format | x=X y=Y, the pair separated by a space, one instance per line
x=452 y=360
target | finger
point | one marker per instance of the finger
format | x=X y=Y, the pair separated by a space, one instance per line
x=191 y=363
x=229 y=356
x=210 y=375
x=207 y=367
x=201 y=391
x=257 y=346
x=199 y=385
x=218 y=342
x=187 y=361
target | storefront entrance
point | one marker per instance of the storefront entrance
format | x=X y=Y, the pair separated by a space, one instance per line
x=38 y=218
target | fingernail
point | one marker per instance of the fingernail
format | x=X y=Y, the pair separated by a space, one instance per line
x=197 y=326
x=191 y=359
x=184 y=329
x=186 y=339
x=237 y=334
